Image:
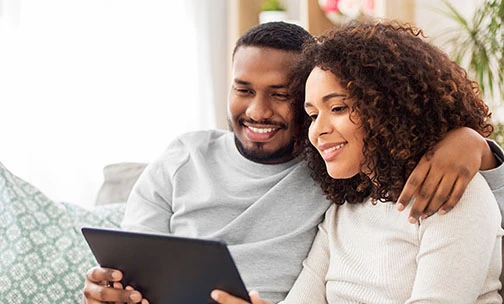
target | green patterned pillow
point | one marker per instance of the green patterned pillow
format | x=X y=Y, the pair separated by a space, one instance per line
x=43 y=256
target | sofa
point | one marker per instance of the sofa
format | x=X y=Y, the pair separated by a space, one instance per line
x=43 y=256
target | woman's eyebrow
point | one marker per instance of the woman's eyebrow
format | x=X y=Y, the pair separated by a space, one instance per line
x=332 y=95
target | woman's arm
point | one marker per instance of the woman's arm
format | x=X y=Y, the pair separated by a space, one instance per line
x=460 y=253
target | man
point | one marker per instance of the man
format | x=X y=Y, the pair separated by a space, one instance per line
x=246 y=187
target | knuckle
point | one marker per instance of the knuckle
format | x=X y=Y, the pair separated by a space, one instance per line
x=449 y=204
x=414 y=181
x=423 y=194
x=125 y=297
x=455 y=197
x=465 y=172
x=429 y=211
x=87 y=293
x=429 y=155
x=403 y=201
x=90 y=274
x=415 y=213
x=441 y=197
x=101 y=294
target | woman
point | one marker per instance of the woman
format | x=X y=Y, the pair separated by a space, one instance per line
x=378 y=98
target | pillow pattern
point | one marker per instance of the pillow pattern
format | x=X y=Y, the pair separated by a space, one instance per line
x=43 y=256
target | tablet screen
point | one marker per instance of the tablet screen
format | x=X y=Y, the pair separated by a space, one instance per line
x=167 y=269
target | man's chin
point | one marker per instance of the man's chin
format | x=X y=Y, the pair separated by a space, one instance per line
x=259 y=155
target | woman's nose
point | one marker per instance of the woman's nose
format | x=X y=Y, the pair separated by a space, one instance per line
x=321 y=126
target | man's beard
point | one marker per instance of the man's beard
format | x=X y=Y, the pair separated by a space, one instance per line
x=259 y=156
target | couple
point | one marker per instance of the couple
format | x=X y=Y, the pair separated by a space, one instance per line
x=248 y=188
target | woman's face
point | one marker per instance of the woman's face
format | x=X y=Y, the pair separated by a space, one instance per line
x=333 y=131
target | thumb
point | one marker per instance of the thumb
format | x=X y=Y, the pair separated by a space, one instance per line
x=256 y=298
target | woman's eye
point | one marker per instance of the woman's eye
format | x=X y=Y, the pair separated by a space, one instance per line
x=339 y=109
x=313 y=117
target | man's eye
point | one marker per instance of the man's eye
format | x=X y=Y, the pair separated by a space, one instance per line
x=281 y=96
x=243 y=91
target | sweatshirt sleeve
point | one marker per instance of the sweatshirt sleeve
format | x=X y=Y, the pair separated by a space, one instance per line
x=459 y=257
x=495 y=177
x=310 y=286
x=149 y=206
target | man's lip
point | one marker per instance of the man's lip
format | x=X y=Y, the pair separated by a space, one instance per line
x=257 y=129
x=262 y=125
x=260 y=134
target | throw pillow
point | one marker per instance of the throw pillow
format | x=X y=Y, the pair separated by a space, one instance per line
x=43 y=256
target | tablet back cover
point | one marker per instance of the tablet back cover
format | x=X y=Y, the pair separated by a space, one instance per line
x=167 y=269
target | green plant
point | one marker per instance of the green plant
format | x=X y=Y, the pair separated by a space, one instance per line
x=477 y=43
x=272 y=5
x=498 y=134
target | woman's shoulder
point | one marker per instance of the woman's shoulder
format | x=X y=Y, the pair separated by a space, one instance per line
x=477 y=204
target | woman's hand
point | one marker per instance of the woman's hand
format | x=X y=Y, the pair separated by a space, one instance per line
x=441 y=176
x=223 y=297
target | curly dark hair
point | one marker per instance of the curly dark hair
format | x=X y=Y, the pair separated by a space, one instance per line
x=408 y=94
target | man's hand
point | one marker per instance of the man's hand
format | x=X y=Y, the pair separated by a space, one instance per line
x=103 y=286
x=225 y=298
x=441 y=176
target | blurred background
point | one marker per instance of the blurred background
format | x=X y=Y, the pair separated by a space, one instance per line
x=84 y=84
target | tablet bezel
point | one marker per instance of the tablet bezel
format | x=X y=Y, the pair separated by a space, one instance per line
x=167 y=269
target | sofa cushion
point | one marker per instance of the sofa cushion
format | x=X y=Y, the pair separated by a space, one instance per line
x=118 y=180
x=43 y=256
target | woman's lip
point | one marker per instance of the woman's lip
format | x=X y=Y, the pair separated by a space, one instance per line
x=330 y=151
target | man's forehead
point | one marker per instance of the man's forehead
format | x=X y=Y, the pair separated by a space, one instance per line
x=248 y=53
x=255 y=62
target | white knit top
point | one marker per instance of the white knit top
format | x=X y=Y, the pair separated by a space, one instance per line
x=366 y=253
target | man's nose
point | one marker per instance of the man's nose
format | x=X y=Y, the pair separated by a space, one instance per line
x=260 y=108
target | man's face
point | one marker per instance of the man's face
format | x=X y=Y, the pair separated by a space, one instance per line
x=259 y=104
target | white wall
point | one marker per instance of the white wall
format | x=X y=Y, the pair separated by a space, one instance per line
x=429 y=18
x=88 y=83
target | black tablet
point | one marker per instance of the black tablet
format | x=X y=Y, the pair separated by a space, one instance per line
x=167 y=269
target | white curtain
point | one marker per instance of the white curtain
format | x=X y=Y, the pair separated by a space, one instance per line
x=210 y=23
x=86 y=83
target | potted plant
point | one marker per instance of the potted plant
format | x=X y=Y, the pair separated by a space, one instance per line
x=477 y=43
x=272 y=10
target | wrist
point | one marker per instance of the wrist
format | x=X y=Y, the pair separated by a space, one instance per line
x=488 y=160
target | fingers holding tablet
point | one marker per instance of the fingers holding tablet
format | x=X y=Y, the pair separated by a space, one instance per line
x=223 y=297
x=103 y=285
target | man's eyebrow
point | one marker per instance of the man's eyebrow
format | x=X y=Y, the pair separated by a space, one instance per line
x=275 y=86
x=279 y=86
x=325 y=99
x=242 y=82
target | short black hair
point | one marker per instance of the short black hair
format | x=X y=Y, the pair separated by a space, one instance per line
x=277 y=35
